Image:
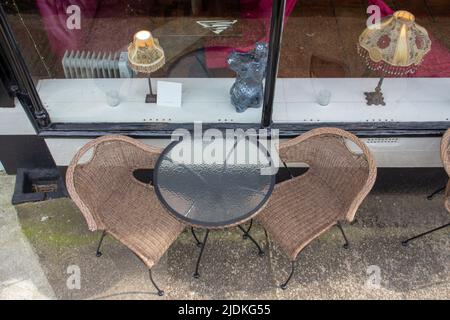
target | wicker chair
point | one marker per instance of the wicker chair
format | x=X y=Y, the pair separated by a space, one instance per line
x=445 y=157
x=113 y=201
x=337 y=181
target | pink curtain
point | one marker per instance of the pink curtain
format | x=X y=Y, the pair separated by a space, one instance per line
x=61 y=38
x=385 y=10
x=436 y=63
x=54 y=18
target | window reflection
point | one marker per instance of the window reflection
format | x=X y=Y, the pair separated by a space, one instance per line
x=75 y=40
x=323 y=78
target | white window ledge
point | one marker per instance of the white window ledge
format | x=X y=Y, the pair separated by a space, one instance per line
x=208 y=100
x=407 y=100
x=84 y=100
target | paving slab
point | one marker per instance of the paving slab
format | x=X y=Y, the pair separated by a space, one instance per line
x=21 y=275
x=376 y=266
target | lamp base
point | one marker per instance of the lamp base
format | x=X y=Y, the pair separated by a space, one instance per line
x=150 y=98
x=375 y=98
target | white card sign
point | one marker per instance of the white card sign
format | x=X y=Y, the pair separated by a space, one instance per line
x=169 y=94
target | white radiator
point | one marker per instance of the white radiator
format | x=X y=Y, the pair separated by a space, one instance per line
x=84 y=65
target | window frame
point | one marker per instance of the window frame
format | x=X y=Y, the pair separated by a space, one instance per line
x=362 y=129
x=30 y=100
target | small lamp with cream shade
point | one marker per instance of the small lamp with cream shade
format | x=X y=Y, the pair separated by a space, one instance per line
x=396 y=47
x=145 y=55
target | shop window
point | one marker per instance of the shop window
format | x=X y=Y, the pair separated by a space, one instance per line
x=323 y=76
x=85 y=70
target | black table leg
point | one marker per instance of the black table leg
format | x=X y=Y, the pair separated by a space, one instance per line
x=199 y=244
x=260 y=251
x=245 y=235
x=196 y=274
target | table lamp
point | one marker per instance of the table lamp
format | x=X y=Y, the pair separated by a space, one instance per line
x=145 y=55
x=396 y=47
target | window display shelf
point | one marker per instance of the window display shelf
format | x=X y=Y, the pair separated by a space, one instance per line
x=407 y=100
x=85 y=100
x=208 y=100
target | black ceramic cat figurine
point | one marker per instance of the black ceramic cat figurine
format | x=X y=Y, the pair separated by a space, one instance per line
x=250 y=67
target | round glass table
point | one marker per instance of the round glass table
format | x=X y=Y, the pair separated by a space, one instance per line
x=214 y=184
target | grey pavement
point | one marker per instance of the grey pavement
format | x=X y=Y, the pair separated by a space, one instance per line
x=21 y=275
x=376 y=266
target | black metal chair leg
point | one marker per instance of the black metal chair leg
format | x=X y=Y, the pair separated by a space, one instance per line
x=346 y=245
x=160 y=292
x=199 y=244
x=431 y=196
x=245 y=235
x=405 y=242
x=260 y=251
x=98 y=253
x=196 y=274
x=284 y=285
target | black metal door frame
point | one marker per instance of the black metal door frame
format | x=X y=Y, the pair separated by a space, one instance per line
x=276 y=33
x=6 y=81
x=23 y=88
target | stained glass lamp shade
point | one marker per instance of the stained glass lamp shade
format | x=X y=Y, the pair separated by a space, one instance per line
x=396 y=47
x=145 y=55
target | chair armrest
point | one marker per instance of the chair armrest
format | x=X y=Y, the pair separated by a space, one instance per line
x=348 y=175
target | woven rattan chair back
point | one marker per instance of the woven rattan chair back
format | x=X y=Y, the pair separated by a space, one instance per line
x=331 y=190
x=113 y=200
x=326 y=151
x=110 y=168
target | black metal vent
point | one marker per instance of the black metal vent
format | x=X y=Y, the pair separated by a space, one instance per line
x=38 y=185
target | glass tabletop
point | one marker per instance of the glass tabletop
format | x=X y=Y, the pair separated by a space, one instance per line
x=213 y=184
